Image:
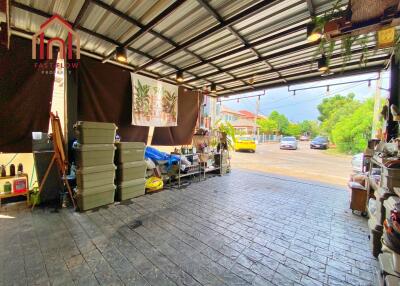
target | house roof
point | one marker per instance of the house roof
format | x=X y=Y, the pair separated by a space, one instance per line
x=238 y=45
x=243 y=122
x=225 y=109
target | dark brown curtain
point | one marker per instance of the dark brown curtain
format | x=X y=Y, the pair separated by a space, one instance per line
x=25 y=96
x=105 y=95
x=188 y=112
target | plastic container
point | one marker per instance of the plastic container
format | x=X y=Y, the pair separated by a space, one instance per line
x=129 y=152
x=130 y=189
x=95 y=197
x=131 y=171
x=391 y=280
x=390 y=178
x=89 y=177
x=88 y=155
x=386 y=264
x=95 y=132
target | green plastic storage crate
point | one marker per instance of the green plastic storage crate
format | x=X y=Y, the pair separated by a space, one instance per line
x=129 y=152
x=95 y=132
x=95 y=197
x=131 y=189
x=131 y=171
x=89 y=177
x=88 y=155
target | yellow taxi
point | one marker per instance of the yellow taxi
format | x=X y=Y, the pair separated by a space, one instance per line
x=245 y=143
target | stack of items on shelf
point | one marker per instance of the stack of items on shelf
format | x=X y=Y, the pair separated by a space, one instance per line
x=94 y=154
x=389 y=259
x=131 y=170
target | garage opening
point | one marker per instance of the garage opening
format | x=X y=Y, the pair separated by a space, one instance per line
x=199 y=142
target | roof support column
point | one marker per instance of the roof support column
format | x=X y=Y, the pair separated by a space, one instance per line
x=392 y=126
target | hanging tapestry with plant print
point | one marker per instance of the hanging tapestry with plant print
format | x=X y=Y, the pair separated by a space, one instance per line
x=154 y=103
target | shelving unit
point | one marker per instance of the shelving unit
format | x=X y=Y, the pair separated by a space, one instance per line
x=12 y=194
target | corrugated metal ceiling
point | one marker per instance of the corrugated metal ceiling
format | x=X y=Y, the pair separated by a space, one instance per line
x=169 y=43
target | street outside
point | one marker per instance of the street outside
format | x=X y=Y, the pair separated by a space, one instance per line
x=304 y=163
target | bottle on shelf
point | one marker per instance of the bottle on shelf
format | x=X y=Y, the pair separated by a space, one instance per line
x=3 y=171
x=12 y=170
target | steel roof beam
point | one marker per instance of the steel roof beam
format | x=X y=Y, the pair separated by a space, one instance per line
x=94 y=34
x=310 y=7
x=153 y=32
x=231 y=21
x=252 y=62
x=244 y=48
x=81 y=13
x=206 y=5
x=301 y=64
x=305 y=80
x=146 y=28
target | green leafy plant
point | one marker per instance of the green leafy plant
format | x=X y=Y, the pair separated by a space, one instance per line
x=169 y=102
x=229 y=131
x=142 y=98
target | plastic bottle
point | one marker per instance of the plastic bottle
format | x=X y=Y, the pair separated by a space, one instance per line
x=12 y=170
x=3 y=171
x=20 y=168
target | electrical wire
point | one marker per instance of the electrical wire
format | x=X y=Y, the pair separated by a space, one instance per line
x=12 y=159
x=318 y=97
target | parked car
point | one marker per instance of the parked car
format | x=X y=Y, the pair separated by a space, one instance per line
x=304 y=138
x=319 y=143
x=288 y=143
x=245 y=143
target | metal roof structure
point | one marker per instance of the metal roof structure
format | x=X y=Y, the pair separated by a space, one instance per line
x=237 y=45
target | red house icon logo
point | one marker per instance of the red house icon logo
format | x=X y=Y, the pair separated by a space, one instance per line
x=64 y=49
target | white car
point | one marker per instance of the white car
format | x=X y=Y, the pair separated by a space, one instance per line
x=288 y=143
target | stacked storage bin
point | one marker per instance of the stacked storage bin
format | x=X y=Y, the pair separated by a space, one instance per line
x=131 y=169
x=94 y=156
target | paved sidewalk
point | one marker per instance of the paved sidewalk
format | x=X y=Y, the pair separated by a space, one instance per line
x=241 y=229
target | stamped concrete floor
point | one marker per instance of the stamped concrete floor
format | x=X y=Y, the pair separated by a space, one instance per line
x=241 y=229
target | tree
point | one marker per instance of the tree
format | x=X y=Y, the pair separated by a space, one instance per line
x=281 y=121
x=351 y=132
x=331 y=104
x=293 y=129
x=310 y=127
x=267 y=126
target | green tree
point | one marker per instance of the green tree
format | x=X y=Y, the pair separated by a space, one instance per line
x=293 y=129
x=310 y=127
x=267 y=126
x=281 y=121
x=331 y=104
x=351 y=132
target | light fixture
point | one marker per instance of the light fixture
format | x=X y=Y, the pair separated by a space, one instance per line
x=213 y=88
x=328 y=90
x=121 y=54
x=313 y=33
x=323 y=64
x=179 y=76
x=238 y=100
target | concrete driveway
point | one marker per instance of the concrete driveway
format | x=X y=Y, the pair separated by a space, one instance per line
x=304 y=163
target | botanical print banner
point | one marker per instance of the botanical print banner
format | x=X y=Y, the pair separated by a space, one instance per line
x=154 y=103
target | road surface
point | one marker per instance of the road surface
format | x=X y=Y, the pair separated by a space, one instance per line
x=304 y=163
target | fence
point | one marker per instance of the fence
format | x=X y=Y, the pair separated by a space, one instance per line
x=264 y=138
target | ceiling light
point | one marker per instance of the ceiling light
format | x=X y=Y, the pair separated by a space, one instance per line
x=121 y=54
x=313 y=33
x=323 y=64
x=213 y=88
x=179 y=76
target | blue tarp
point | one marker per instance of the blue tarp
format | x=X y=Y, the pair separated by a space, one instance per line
x=156 y=155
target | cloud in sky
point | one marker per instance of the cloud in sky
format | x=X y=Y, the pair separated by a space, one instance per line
x=303 y=105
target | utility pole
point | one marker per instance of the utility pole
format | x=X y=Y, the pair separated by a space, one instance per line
x=256 y=131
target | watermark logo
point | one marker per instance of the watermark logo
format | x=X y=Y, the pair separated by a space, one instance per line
x=65 y=47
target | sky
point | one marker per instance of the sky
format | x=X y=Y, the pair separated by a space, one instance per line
x=303 y=105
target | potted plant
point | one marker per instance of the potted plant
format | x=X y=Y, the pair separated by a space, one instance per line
x=142 y=100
